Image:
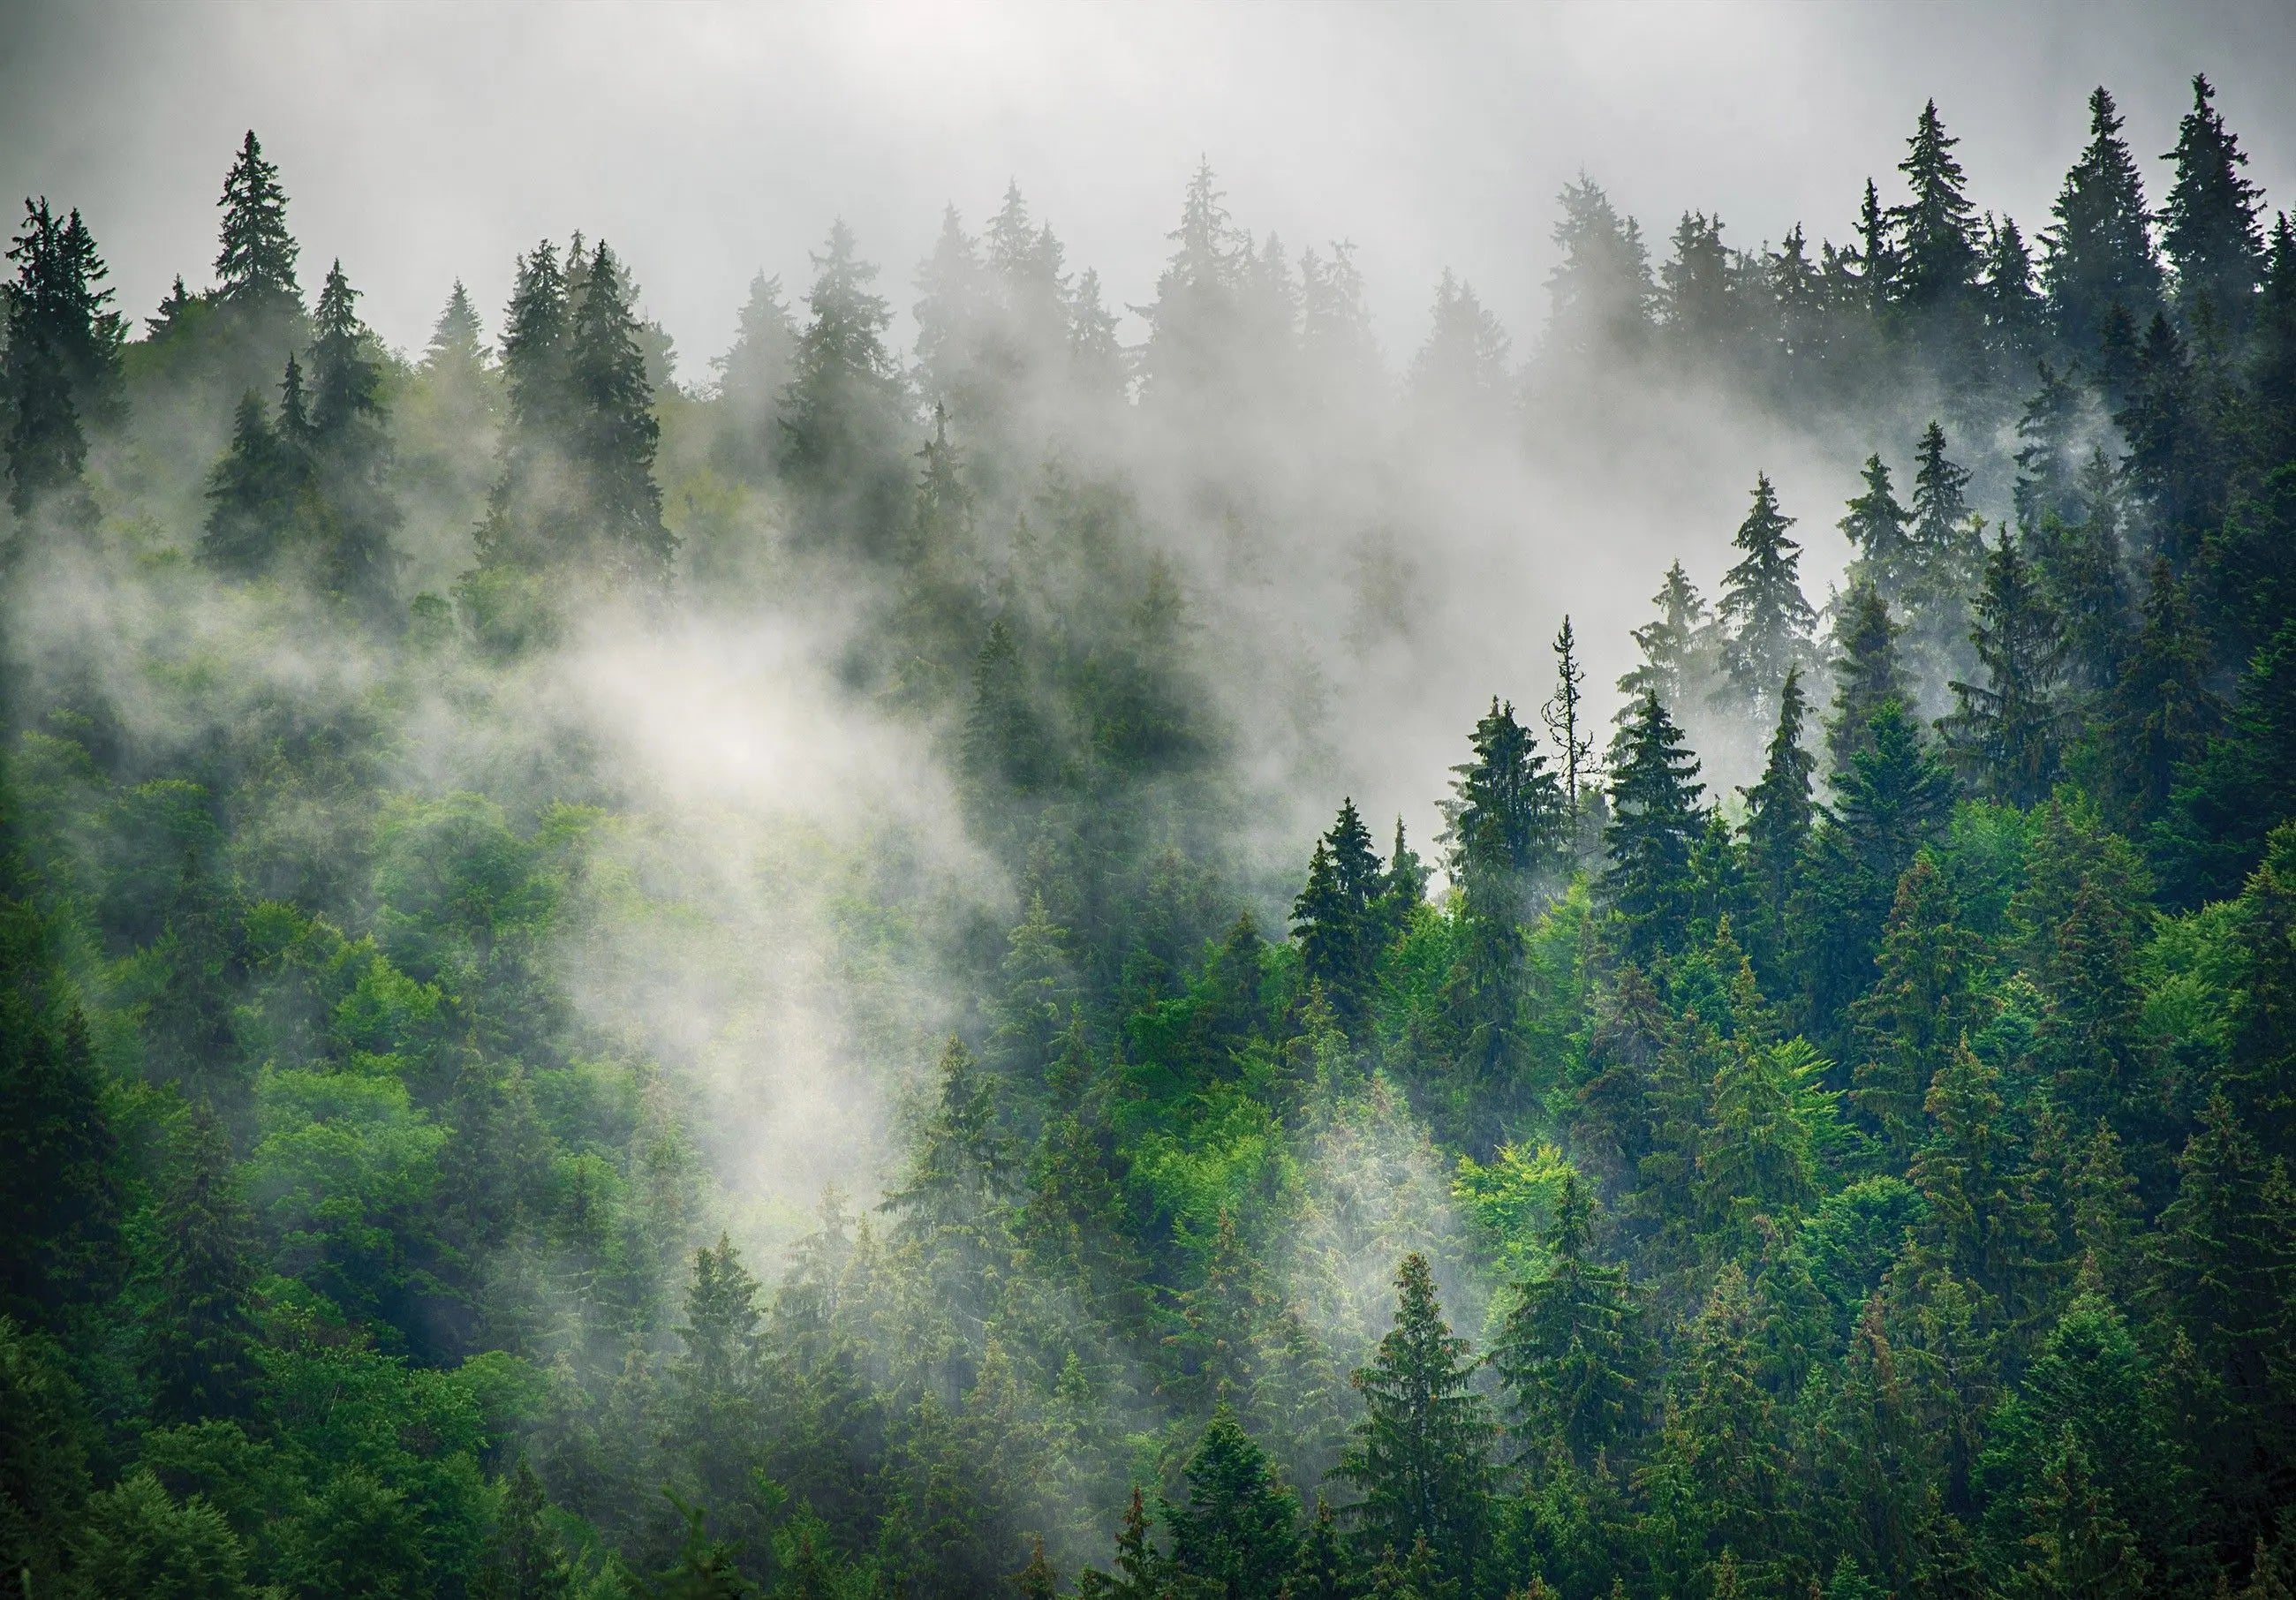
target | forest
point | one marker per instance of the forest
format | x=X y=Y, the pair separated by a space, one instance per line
x=1815 y=1120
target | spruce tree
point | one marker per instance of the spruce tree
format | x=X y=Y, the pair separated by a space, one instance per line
x=1762 y=607
x=255 y=268
x=1936 y=260
x=1571 y=1350
x=2209 y=228
x=1565 y=723
x=352 y=454
x=2049 y=432
x=1876 y=528
x=1461 y=371
x=201 y=1338
x=2016 y=316
x=1722 y=1430
x=2005 y=735
x=1779 y=812
x=1422 y=1455
x=61 y=1199
x=754 y=373
x=2078 y=569
x=522 y=1560
x=250 y=496
x=59 y=360
x=845 y=415
x=1655 y=818
x=1865 y=673
x=1599 y=293
x=2222 y=806
x=2271 y=366
x=615 y=432
x=2177 y=418
x=1679 y=658
x=1924 y=1000
x=1235 y=1537
x=2162 y=707
x=2098 y=253
x=1506 y=816
x=1336 y=917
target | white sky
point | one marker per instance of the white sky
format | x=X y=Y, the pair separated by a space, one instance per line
x=423 y=142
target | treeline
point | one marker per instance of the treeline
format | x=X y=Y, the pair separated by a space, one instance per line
x=1873 y=1181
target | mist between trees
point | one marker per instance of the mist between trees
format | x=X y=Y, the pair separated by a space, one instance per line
x=628 y=986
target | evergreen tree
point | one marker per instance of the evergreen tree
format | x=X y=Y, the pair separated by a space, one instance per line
x=1699 y=291
x=1876 y=528
x=2004 y=736
x=1336 y=916
x=1936 y=261
x=1762 y=605
x=1235 y=1536
x=2177 y=417
x=201 y=1337
x=252 y=493
x=2098 y=253
x=1865 y=673
x=2076 y=568
x=254 y=269
x=2049 y=432
x=1326 y=1570
x=60 y=360
x=1565 y=723
x=456 y=339
x=1655 y=818
x=61 y=1199
x=846 y=411
x=1779 y=812
x=1461 y=371
x=522 y=1561
x=1194 y=325
x=2016 y=316
x=614 y=432
x=714 y=1383
x=1678 y=649
x=1599 y=294
x=351 y=452
x=754 y=373
x=2222 y=806
x=1571 y=1350
x=2209 y=224
x=2271 y=368
x=1922 y=1002
x=1722 y=1430
x=1421 y=1455
x=1506 y=816
x=2162 y=708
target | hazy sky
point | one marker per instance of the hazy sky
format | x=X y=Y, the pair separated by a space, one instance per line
x=423 y=142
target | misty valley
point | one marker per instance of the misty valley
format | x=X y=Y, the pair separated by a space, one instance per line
x=796 y=975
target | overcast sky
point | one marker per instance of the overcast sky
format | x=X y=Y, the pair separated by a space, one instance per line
x=420 y=142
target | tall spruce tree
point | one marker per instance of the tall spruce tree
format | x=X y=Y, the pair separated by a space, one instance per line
x=1655 y=819
x=2006 y=735
x=614 y=431
x=1571 y=1350
x=1779 y=812
x=1865 y=674
x=1506 y=815
x=1236 y=1538
x=2162 y=707
x=1876 y=527
x=59 y=360
x=1422 y=1455
x=1336 y=916
x=201 y=1338
x=1923 y=1003
x=2209 y=228
x=1762 y=605
x=352 y=454
x=1679 y=649
x=1936 y=258
x=2049 y=433
x=2098 y=252
x=255 y=265
x=845 y=415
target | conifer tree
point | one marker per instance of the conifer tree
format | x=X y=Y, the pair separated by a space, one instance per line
x=1421 y=1455
x=2004 y=736
x=1762 y=605
x=2077 y=567
x=1678 y=649
x=352 y=454
x=1865 y=673
x=1461 y=371
x=456 y=339
x=1876 y=256
x=614 y=432
x=1506 y=816
x=2223 y=806
x=2098 y=252
x=1599 y=293
x=1936 y=261
x=1235 y=1537
x=1966 y=1168
x=2016 y=316
x=714 y=1381
x=754 y=373
x=1337 y=915
x=254 y=269
x=1871 y=1427
x=2209 y=224
x=1655 y=818
x=60 y=360
x=1922 y=1002
x=846 y=408
x=2271 y=366
x=1876 y=528
x=1194 y=322
x=522 y=1561
x=202 y=1336
x=1326 y=1570
x=1779 y=812
x=2175 y=420
x=1571 y=1350
x=2049 y=429
x=1565 y=723
x=1722 y=1430
x=2162 y=708
x=60 y=1201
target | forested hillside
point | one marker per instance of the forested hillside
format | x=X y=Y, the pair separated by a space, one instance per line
x=627 y=977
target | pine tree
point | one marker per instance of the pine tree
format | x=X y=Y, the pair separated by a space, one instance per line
x=2049 y=432
x=1936 y=264
x=1989 y=1226
x=1876 y=256
x=1336 y=916
x=522 y=1561
x=351 y=452
x=2016 y=316
x=1678 y=649
x=845 y=410
x=714 y=1381
x=254 y=269
x=1506 y=816
x=1599 y=294
x=2223 y=805
x=753 y=375
x=60 y=1201
x=1655 y=818
x=1461 y=371
x=59 y=360
x=1865 y=673
x=1140 y=1570
x=2004 y=735
x=1565 y=723
x=1194 y=324
x=202 y=1336
x=1876 y=528
x=2177 y=418
x=1779 y=812
x=2098 y=254
x=1892 y=798
x=614 y=432
x=1326 y=1570
x=1421 y=1455
x=1571 y=1350
x=1922 y=1002
x=2077 y=567
x=2271 y=368
x=1722 y=1429
x=1700 y=293
x=1235 y=1536
x=1762 y=605
x=2209 y=224
x=1871 y=1430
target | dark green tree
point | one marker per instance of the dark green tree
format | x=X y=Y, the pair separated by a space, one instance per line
x=1762 y=607
x=1507 y=817
x=2209 y=228
x=1422 y=1455
x=2006 y=735
x=1936 y=258
x=2050 y=430
x=2078 y=569
x=1779 y=813
x=1865 y=673
x=2098 y=252
x=1572 y=1352
x=1679 y=658
x=1876 y=527
x=255 y=268
x=523 y=1560
x=1923 y=1001
x=845 y=416
x=614 y=431
x=2223 y=806
x=1655 y=818
x=60 y=360
x=60 y=1192
x=1336 y=916
x=352 y=454
x=2163 y=707
x=1236 y=1537
x=201 y=1338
